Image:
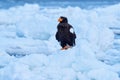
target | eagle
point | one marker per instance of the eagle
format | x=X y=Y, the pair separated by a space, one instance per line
x=65 y=33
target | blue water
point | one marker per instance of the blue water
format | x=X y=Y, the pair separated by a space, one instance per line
x=86 y=4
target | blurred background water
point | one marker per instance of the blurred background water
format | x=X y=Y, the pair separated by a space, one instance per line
x=84 y=4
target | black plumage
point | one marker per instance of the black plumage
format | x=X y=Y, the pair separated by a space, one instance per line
x=64 y=34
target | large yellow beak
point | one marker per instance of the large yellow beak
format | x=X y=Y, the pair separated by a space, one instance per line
x=59 y=20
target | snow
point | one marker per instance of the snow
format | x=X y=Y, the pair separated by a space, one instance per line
x=29 y=51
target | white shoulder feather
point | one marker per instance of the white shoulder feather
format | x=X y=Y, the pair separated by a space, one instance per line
x=71 y=30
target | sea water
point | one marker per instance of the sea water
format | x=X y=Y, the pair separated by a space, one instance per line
x=84 y=4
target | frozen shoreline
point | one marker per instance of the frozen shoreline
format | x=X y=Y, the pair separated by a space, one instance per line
x=30 y=30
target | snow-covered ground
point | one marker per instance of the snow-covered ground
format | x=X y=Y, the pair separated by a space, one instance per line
x=29 y=51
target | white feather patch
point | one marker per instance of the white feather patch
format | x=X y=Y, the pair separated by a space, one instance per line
x=71 y=30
